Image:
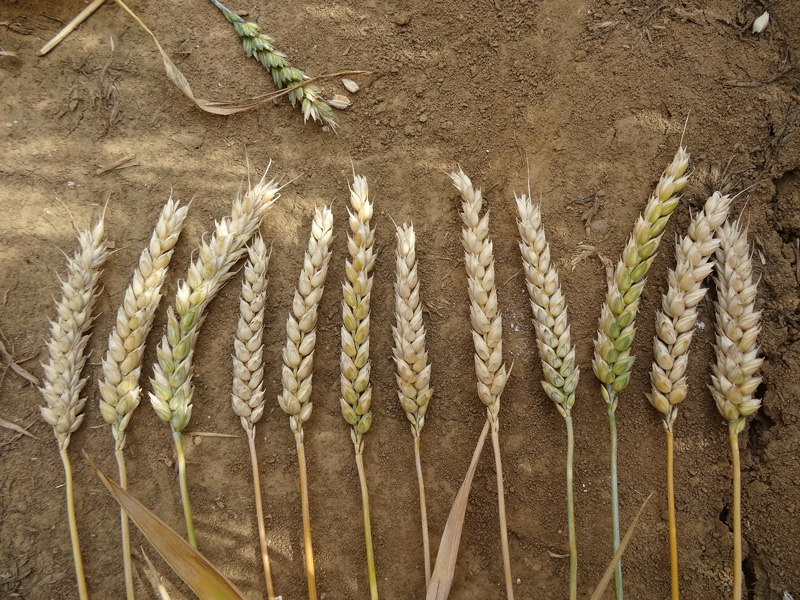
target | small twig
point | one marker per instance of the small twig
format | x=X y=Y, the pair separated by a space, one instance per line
x=115 y=165
x=17 y=428
x=82 y=16
x=520 y=270
x=15 y=367
x=210 y=434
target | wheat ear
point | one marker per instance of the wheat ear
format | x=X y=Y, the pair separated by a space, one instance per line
x=119 y=389
x=298 y=359
x=674 y=329
x=354 y=361
x=262 y=47
x=487 y=332
x=413 y=371
x=172 y=382
x=734 y=379
x=553 y=339
x=612 y=360
x=62 y=384
x=247 y=396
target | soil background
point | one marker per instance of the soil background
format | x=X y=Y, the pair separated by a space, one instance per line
x=591 y=95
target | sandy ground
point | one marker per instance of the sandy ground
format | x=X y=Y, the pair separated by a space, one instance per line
x=592 y=95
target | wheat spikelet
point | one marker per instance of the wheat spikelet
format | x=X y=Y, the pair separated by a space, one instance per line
x=549 y=309
x=354 y=362
x=413 y=371
x=487 y=322
x=734 y=377
x=301 y=335
x=62 y=384
x=172 y=382
x=122 y=365
x=487 y=332
x=262 y=47
x=247 y=397
x=553 y=339
x=612 y=358
x=676 y=320
x=210 y=270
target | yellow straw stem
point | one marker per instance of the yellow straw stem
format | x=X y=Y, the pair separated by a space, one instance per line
x=373 y=582
x=262 y=534
x=309 y=552
x=737 y=515
x=73 y=527
x=502 y=509
x=126 y=535
x=423 y=514
x=673 y=530
x=187 y=510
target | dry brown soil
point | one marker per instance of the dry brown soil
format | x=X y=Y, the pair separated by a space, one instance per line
x=593 y=93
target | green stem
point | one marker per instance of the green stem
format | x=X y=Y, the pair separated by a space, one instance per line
x=373 y=581
x=187 y=510
x=73 y=527
x=126 y=536
x=612 y=421
x=573 y=546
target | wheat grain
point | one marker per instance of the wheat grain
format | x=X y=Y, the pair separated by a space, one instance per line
x=676 y=320
x=62 y=384
x=354 y=361
x=119 y=389
x=413 y=371
x=733 y=378
x=487 y=331
x=172 y=382
x=553 y=339
x=612 y=360
x=262 y=47
x=301 y=335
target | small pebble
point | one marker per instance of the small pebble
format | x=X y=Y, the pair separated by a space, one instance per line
x=423 y=118
x=350 y=85
x=402 y=18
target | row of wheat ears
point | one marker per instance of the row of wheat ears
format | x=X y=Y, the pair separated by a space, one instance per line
x=733 y=378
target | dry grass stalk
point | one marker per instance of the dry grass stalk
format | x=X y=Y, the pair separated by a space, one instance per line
x=553 y=339
x=612 y=360
x=298 y=359
x=734 y=379
x=172 y=382
x=354 y=361
x=247 y=397
x=119 y=389
x=413 y=371
x=62 y=384
x=487 y=326
x=674 y=329
x=262 y=47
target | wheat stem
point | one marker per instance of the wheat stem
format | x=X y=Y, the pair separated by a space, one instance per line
x=362 y=477
x=612 y=422
x=673 y=533
x=573 y=545
x=262 y=534
x=73 y=527
x=501 y=505
x=187 y=510
x=309 y=552
x=125 y=526
x=737 y=514
x=426 y=549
